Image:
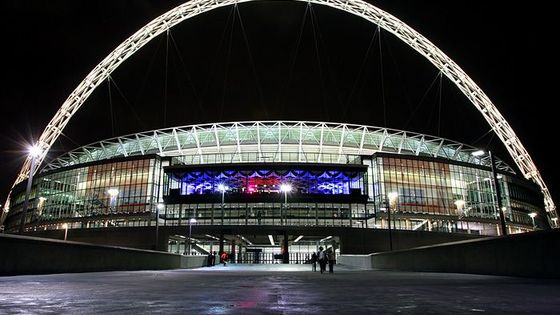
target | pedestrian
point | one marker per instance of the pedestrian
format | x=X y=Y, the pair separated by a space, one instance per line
x=331 y=259
x=224 y=258
x=209 y=260
x=314 y=262
x=322 y=259
x=214 y=258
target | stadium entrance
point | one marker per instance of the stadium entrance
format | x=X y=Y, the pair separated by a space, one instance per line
x=255 y=249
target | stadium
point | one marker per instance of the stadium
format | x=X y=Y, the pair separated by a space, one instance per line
x=307 y=183
x=270 y=191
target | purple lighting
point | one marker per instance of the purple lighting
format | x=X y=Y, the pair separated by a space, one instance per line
x=310 y=182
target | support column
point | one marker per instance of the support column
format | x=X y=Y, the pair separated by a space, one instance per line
x=180 y=214
x=239 y=253
x=286 y=257
x=232 y=257
x=221 y=248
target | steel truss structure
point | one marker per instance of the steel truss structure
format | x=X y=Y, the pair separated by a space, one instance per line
x=265 y=141
x=356 y=7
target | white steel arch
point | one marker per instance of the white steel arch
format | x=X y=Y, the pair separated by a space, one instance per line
x=356 y=7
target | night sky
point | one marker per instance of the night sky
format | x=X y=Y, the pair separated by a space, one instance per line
x=277 y=60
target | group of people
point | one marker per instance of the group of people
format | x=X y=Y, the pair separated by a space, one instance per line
x=323 y=257
x=211 y=261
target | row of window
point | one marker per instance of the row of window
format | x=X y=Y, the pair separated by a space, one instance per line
x=129 y=187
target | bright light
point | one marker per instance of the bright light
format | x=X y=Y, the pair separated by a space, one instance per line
x=65 y=226
x=393 y=196
x=160 y=206
x=35 y=151
x=192 y=221
x=246 y=240
x=533 y=215
x=113 y=192
x=271 y=240
x=459 y=204
x=42 y=199
x=326 y=238
x=222 y=187
x=478 y=153
x=286 y=187
x=298 y=238
x=212 y=237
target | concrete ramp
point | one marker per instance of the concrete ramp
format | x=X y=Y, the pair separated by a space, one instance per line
x=534 y=254
x=21 y=255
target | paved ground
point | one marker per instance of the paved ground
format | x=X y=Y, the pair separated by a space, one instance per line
x=276 y=289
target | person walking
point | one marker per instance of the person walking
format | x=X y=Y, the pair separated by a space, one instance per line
x=224 y=258
x=209 y=260
x=314 y=262
x=214 y=258
x=322 y=259
x=331 y=259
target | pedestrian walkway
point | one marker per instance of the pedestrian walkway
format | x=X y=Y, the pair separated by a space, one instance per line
x=276 y=289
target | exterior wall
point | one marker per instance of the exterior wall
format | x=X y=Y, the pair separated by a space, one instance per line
x=69 y=196
x=428 y=190
x=437 y=195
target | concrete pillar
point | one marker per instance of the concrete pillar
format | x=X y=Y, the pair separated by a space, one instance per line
x=286 y=257
x=221 y=248
x=180 y=214
x=163 y=241
x=232 y=258
x=239 y=253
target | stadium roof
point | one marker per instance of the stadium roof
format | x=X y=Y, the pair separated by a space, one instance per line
x=234 y=141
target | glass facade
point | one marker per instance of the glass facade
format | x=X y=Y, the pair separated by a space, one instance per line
x=293 y=214
x=91 y=196
x=432 y=187
x=245 y=179
x=421 y=193
x=435 y=195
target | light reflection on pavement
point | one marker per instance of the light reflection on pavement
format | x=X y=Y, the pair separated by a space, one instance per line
x=276 y=289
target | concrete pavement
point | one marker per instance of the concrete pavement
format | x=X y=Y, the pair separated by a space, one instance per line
x=276 y=289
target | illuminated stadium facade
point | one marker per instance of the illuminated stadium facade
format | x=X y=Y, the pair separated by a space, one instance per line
x=231 y=174
x=279 y=181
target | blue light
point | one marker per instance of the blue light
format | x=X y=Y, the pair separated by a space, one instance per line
x=331 y=182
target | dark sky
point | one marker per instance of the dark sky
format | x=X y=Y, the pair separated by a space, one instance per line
x=276 y=60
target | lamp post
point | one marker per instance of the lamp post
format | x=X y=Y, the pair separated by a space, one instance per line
x=285 y=188
x=533 y=215
x=65 y=227
x=223 y=188
x=498 y=190
x=35 y=152
x=191 y=222
x=393 y=196
x=159 y=206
